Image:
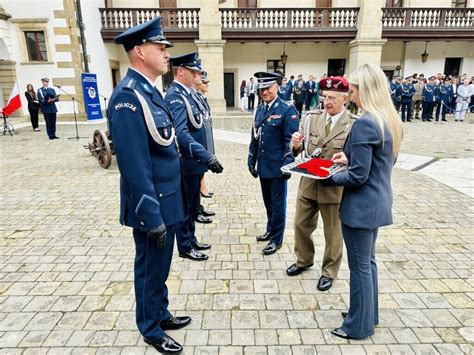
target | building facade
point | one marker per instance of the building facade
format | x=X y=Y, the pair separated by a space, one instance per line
x=235 y=38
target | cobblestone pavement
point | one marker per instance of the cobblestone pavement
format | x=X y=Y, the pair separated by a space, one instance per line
x=66 y=265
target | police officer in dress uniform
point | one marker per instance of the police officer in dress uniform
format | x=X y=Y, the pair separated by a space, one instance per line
x=151 y=197
x=443 y=95
x=200 y=87
x=195 y=144
x=47 y=98
x=284 y=90
x=429 y=97
x=321 y=134
x=395 y=92
x=274 y=123
x=408 y=90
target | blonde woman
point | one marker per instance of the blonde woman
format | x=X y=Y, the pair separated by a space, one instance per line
x=370 y=152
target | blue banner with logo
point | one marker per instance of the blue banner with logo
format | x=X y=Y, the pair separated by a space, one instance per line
x=91 y=96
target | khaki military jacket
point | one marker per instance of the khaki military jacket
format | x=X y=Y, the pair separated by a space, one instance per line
x=313 y=128
x=419 y=88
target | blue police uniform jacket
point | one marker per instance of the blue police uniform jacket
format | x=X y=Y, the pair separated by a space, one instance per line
x=284 y=92
x=367 y=196
x=429 y=93
x=395 y=91
x=150 y=181
x=444 y=93
x=43 y=95
x=271 y=136
x=407 y=92
x=192 y=141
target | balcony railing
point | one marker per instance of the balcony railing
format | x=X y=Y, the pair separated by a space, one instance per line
x=291 y=19
x=423 y=18
x=171 y=19
x=297 y=23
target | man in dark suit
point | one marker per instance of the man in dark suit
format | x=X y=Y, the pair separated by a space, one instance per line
x=310 y=86
x=275 y=122
x=429 y=98
x=47 y=98
x=151 y=196
x=195 y=146
x=252 y=90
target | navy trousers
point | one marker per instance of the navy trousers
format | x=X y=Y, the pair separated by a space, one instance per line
x=427 y=113
x=406 y=110
x=274 y=198
x=186 y=235
x=152 y=266
x=443 y=109
x=363 y=314
x=50 y=120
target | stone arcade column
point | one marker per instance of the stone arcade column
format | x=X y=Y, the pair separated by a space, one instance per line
x=367 y=46
x=211 y=52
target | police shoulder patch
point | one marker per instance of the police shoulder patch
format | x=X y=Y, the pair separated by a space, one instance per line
x=176 y=101
x=125 y=105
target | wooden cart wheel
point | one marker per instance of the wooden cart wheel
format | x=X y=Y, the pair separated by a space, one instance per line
x=102 y=150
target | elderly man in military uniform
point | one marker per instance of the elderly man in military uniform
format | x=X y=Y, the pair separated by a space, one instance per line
x=152 y=201
x=274 y=123
x=322 y=134
x=47 y=98
x=196 y=146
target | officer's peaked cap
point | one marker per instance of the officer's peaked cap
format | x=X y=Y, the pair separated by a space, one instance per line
x=189 y=61
x=45 y=79
x=204 y=77
x=265 y=80
x=149 y=31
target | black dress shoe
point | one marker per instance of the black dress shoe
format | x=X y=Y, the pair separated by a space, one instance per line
x=201 y=246
x=294 y=269
x=209 y=195
x=271 y=248
x=343 y=314
x=324 y=283
x=165 y=344
x=55 y=137
x=207 y=213
x=264 y=237
x=340 y=333
x=202 y=219
x=194 y=254
x=175 y=323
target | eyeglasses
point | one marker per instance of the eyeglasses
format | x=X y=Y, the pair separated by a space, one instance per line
x=329 y=98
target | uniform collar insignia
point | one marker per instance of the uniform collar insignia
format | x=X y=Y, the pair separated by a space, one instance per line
x=147 y=88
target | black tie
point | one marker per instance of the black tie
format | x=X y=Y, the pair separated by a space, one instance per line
x=266 y=110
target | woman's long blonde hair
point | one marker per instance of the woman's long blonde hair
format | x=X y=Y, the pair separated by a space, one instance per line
x=375 y=98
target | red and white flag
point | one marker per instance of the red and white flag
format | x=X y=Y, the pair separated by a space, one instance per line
x=14 y=102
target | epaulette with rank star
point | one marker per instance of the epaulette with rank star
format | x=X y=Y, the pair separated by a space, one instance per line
x=130 y=84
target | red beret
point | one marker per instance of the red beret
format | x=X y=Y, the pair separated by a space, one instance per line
x=334 y=83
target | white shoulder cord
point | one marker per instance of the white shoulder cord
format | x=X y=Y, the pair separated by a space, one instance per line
x=150 y=123
x=193 y=121
x=307 y=126
x=256 y=132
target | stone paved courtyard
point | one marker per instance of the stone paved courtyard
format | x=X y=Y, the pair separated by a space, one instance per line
x=66 y=265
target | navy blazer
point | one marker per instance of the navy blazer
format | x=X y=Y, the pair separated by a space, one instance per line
x=192 y=142
x=150 y=174
x=45 y=93
x=367 y=197
x=270 y=150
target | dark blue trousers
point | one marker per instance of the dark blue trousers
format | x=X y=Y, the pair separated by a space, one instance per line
x=363 y=314
x=274 y=198
x=50 y=120
x=152 y=266
x=186 y=235
x=443 y=109
x=406 y=110
x=427 y=113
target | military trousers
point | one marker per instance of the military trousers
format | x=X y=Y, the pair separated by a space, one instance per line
x=306 y=221
x=406 y=110
x=363 y=314
x=152 y=266
x=274 y=198
x=187 y=227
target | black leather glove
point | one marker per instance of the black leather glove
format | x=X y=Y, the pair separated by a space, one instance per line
x=158 y=235
x=214 y=165
x=285 y=176
x=253 y=172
